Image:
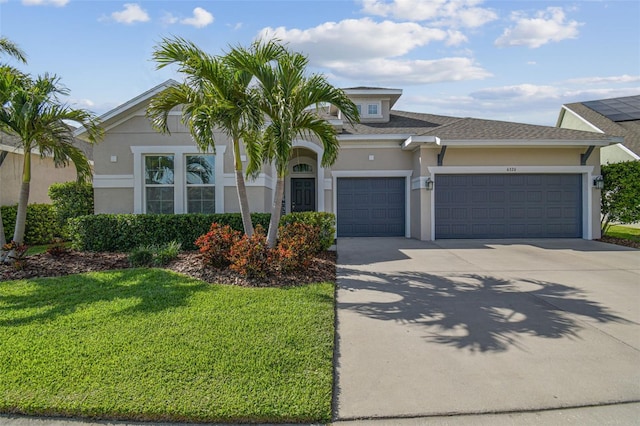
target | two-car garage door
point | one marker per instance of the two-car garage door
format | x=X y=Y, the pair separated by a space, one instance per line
x=508 y=206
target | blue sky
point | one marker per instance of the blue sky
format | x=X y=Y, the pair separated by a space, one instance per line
x=504 y=60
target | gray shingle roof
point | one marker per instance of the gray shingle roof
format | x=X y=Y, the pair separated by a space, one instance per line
x=456 y=128
x=629 y=130
x=400 y=123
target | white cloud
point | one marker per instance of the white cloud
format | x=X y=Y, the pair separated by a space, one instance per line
x=549 y=25
x=200 y=19
x=602 y=80
x=520 y=91
x=399 y=72
x=131 y=13
x=57 y=3
x=455 y=13
x=358 y=39
x=169 y=19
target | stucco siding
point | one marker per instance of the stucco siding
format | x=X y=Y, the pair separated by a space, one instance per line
x=113 y=200
x=43 y=175
x=512 y=157
x=571 y=121
x=383 y=159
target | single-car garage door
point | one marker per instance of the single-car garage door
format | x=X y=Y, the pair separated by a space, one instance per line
x=371 y=207
x=508 y=206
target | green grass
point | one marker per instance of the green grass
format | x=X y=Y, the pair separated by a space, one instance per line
x=626 y=232
x=149 y=344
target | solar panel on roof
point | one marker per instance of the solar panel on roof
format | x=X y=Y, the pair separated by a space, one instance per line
x=617 y=109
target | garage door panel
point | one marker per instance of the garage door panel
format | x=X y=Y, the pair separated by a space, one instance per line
x=370 y=207
x=508 y=206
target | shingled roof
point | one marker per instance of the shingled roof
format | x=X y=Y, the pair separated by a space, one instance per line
x=628 y=130
x=456 y=128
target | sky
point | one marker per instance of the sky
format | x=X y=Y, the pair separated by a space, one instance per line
x=502 y=60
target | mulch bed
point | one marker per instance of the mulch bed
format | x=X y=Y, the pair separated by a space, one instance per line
x=620 y=241
x=322 y=268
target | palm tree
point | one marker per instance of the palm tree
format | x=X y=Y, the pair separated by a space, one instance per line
x=33 y=113
x=288 y=98
x=215 y=94
x=8 y=47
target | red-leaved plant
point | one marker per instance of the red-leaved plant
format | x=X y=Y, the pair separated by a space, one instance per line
x=216 y=245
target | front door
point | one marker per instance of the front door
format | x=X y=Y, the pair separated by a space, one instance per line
x=303 y=194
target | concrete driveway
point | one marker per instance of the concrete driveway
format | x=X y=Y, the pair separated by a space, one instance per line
x=448 y=327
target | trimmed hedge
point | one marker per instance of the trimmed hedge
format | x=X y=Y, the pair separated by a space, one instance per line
x=124 y=232
x=71 y=199
x=42 y=224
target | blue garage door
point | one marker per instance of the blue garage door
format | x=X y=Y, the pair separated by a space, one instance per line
x=371 y=207
x=508 y=206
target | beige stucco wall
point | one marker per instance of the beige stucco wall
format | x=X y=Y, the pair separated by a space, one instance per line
x=511 y=156
x=383 y=159
x=113 y=200
x=43 y=175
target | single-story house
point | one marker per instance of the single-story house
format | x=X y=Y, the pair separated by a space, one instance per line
x=615 y=117
x=398 y=173
x=44 y=173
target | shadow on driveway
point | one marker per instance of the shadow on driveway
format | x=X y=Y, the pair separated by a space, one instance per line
x=471 y=311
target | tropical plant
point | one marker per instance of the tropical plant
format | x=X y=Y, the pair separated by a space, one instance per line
x=290 y=99
x=620 y=202
x=214 y=94
x=33 y=113
x=7 y=47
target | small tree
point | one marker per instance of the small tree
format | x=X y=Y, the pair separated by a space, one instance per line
x=620 y=202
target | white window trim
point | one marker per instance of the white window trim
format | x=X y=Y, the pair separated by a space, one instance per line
x=364 y=109
x=585 y=171
x=377 y=173
x=179 y=193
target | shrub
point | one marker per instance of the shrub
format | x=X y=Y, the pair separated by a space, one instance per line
x=141 y=256
x=124 y=232
x=19 y=255
x=158 y=255
x=620 y=200
x=71 y=199
x=166 y=253
x=57 y=248
x=216 y=245
x=297 y=244
x=325 y=221
x=251 y=256
x=41 y=227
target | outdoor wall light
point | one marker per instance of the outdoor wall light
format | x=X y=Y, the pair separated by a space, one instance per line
x=598 y=182
x=428 y=184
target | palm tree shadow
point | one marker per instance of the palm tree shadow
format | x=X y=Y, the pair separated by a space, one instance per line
x=47 y=299
x=471 y=311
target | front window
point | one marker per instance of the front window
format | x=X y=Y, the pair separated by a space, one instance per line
x=372 y=109
x=200 y=180
x=159 y=183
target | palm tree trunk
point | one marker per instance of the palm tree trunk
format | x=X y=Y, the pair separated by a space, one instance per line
x=23 y=200
x=276 y=210
x=3 y=239
x=242 y=190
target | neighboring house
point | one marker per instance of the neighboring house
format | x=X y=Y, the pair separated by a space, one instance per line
x=43 y=172
x=615 y=117
x=398 y=173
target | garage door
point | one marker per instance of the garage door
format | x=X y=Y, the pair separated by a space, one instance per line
x=371 y=207
x=508 y=206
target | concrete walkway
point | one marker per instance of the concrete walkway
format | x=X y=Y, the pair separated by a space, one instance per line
x=468 y=327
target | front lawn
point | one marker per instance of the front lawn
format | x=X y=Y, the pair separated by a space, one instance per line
x=150 y=344
x=625 y=232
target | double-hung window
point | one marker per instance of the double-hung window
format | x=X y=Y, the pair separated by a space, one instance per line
x=159 y=183
x=200 y=180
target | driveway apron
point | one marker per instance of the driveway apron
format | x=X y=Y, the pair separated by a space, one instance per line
x=461 y=326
